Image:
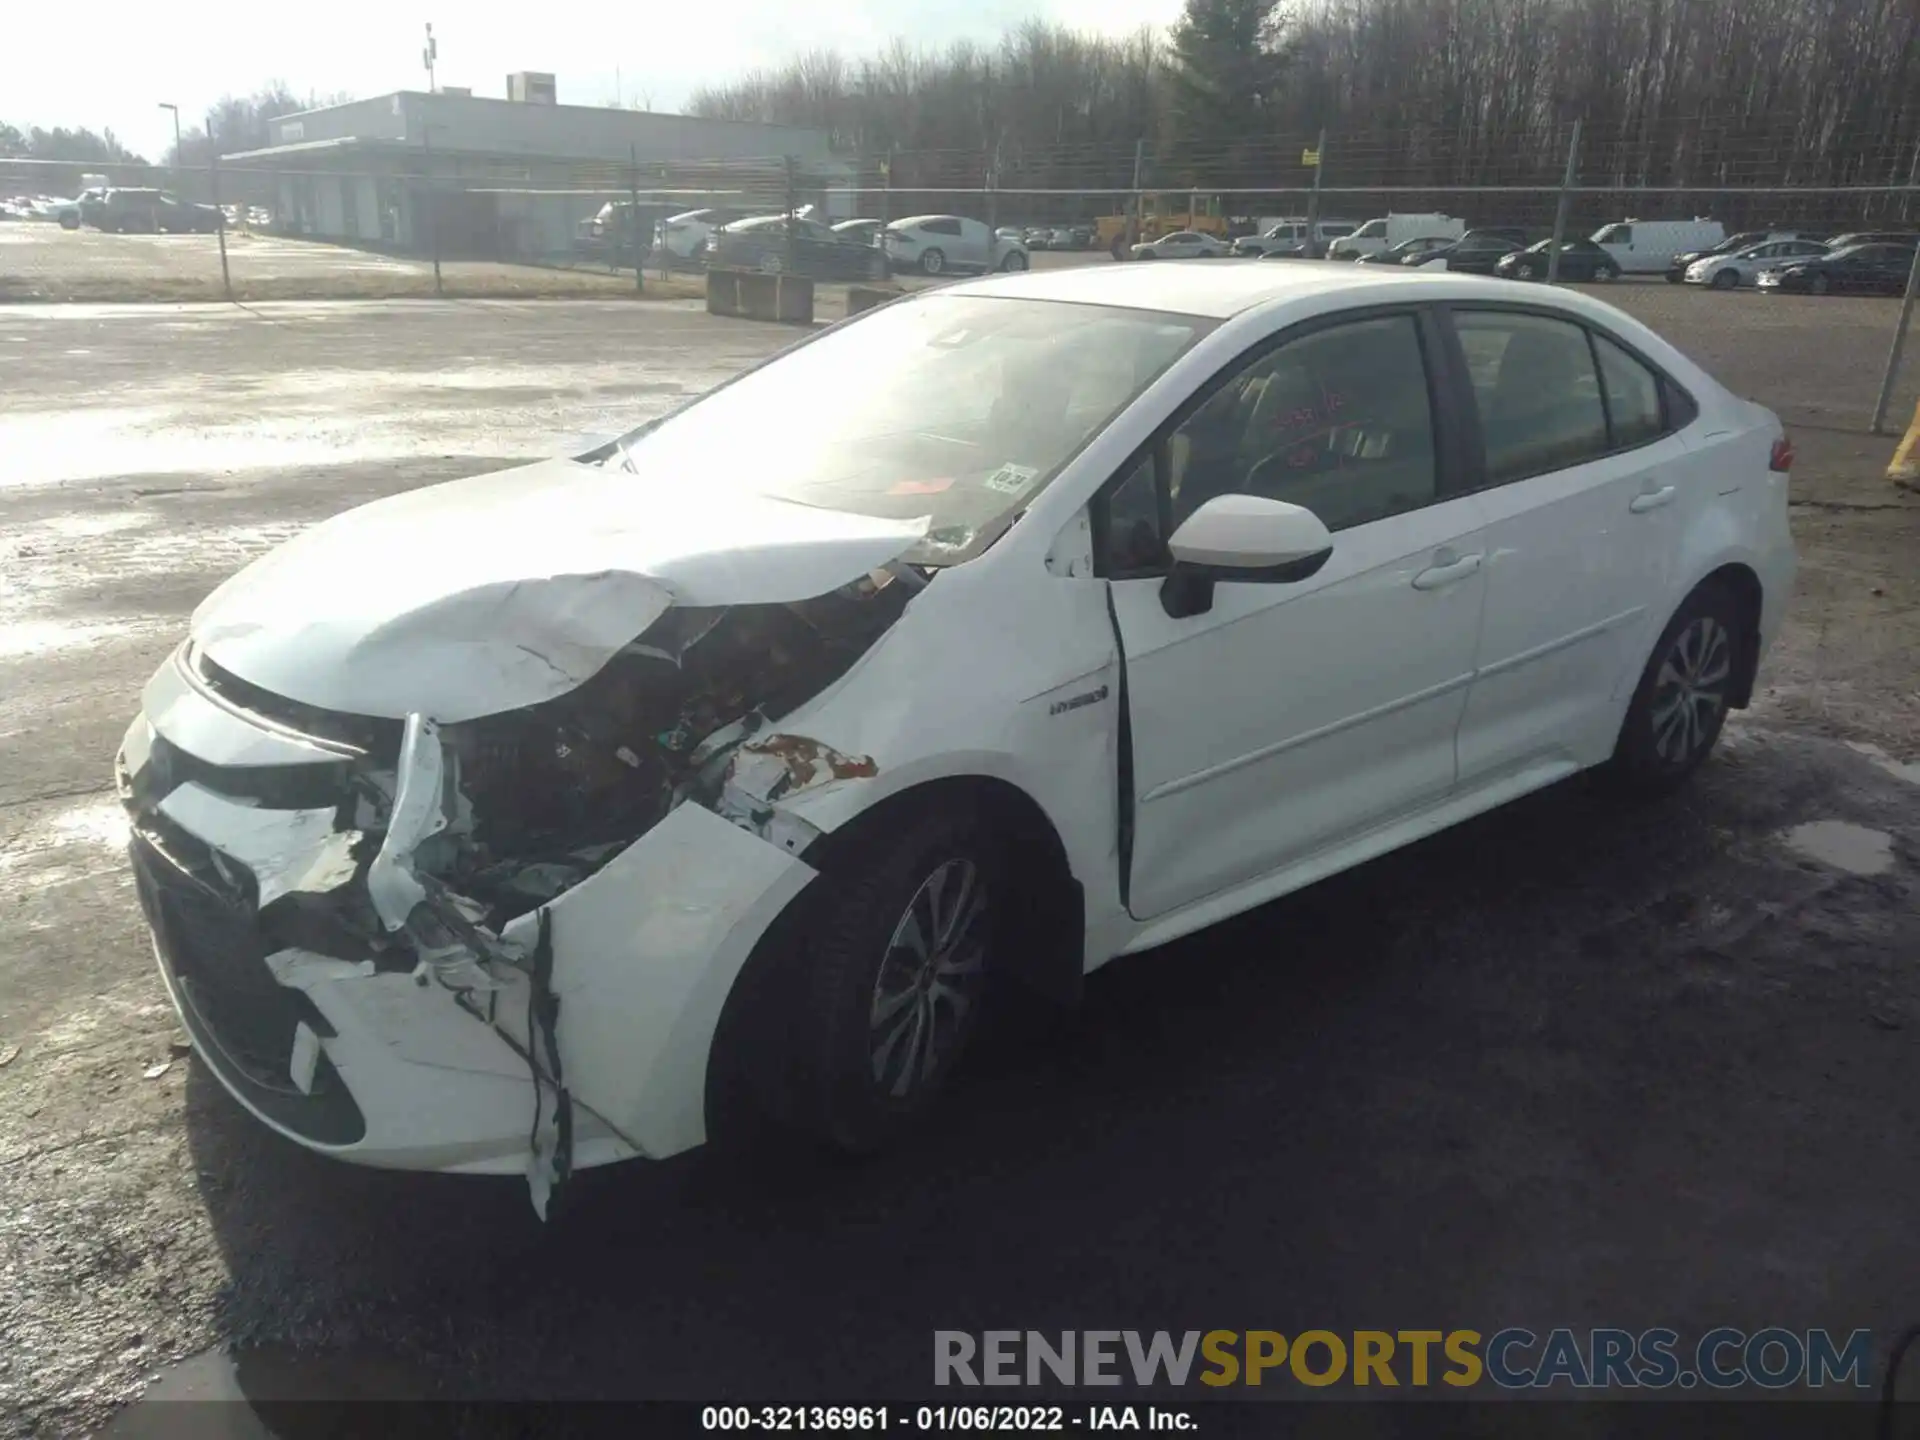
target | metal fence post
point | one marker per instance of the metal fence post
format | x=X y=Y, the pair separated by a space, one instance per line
x=1899 y=343
x=432 y=207
x=220 y=216
x=633 y=195
x=883 y=265
x=1560 y=211
x=792 y=165
x=1130 y=232
x=1313 y=196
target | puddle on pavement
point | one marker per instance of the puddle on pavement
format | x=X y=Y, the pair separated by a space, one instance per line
x=1908 y=771
x=43 y=637
x=1855 y=849
x=256 y=1395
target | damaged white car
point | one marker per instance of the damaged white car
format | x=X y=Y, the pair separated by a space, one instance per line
x=503 y=825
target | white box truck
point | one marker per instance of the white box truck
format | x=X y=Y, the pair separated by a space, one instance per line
x=1647 y=247
x=1390 y=230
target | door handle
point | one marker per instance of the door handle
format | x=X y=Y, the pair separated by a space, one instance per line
x=1436 y=576
x=1651 y=500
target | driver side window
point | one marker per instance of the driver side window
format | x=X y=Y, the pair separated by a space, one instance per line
x=1338 y=421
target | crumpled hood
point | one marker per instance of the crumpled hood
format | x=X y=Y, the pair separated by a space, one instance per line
x=496 y=592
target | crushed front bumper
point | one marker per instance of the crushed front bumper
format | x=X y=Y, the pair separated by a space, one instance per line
x=374 y=1059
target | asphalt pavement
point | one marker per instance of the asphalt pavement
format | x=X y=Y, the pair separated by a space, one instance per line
x=1570 y=1064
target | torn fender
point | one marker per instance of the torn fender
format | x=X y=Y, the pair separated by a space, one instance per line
x=645 y=953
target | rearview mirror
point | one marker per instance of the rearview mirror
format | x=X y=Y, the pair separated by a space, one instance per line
x=1241 y=538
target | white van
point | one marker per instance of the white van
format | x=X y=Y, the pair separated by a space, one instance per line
x=1287 y=235
x=1389 y=230
x=1647 y=247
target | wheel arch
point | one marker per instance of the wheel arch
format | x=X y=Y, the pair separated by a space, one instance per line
x=1050 y=961
x=1743 y=582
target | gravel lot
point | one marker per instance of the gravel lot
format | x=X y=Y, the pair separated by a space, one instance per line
x=1567 y=1065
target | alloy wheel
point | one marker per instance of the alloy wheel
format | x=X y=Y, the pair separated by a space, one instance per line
x=929 y=979
x=1690 y=690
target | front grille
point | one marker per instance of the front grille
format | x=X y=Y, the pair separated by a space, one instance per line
x=243 y=1020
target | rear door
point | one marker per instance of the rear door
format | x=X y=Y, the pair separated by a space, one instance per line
x=1583 y=484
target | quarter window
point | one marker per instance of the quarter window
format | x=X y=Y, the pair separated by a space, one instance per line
x=1633 y=395
x=1537 y=392
x=1337 y=421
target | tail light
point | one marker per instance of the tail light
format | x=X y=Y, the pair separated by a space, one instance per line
x=1781 y=460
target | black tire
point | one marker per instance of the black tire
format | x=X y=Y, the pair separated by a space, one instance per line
x=851 y=1072
x=1726 y=280
x=1674 y=277
x=1681 y=702
x=933 y=262
x=1015 y=261
x=1605 y=274
x=69 y=221
x=1820 y=284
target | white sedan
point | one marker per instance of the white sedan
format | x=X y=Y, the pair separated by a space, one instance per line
x=497 y=826
x=1729 y=272
x=1183 y=245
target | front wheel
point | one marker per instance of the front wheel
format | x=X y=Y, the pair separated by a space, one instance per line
x=1725 y=280
x=1681 y=702
x=1015 y=261
x=932 y=262
x=896 y=970
x=1820 y=285
x=1606 y=274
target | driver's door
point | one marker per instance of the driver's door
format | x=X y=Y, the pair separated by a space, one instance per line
x=1289 y=717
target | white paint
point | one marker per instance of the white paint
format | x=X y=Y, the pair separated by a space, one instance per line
x=1855 y=849
x=1248 y=532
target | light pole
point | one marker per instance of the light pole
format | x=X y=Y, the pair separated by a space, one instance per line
x=178 y=158
x=428 y=55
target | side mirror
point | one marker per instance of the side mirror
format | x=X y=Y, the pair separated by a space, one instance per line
x=1245 y=539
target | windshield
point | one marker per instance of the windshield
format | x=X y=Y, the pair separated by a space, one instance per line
x=956 y=407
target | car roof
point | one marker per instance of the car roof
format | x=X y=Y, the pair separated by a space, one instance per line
x=922 y=219
x=1217 y=291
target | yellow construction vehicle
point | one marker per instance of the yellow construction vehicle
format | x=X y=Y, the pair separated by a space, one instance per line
x=1162 y=213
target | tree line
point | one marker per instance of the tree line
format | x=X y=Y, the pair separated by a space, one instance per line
x=234 y=123
x=1416 y=92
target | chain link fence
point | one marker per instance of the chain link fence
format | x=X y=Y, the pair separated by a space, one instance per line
x=423 y=219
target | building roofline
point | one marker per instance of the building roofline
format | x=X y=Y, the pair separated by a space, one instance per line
x=523 y=104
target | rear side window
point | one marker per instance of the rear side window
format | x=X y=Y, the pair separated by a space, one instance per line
x=1536 y=389
x=942 y=227
x=1633 y=396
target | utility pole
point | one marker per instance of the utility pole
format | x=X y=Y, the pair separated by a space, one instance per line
x=633 y=229
x=430 y=54
x=433 y=218
x=219 y=215
x=179 y=160
x=1130 y=234
x=1560 y=211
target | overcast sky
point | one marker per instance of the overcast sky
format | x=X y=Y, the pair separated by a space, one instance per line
x=111 y=62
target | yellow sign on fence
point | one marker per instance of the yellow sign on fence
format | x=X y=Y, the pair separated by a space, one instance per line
x=1309 y=157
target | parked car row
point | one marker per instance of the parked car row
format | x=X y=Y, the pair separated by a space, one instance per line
x=1857 y=262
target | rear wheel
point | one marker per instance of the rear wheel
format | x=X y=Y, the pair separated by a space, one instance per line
x=932 y=262
x=1681 y=702
x=1726 y=280
x=1820 y=285
x=1014 y=261
x=1605 y=274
